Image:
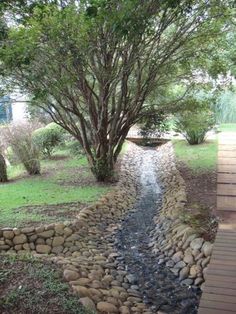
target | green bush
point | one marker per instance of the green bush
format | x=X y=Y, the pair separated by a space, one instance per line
x=47 y=138
x=19 y=137
x=194 y=125
x=75 y=148
x=11 y=156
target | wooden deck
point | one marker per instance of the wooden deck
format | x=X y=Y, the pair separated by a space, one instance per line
x=219 y=295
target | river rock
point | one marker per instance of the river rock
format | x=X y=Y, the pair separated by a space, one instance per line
x=106 y=307
x=43 y=248
x=20 y=239
x=184 y=273
x=177 y=256
x=196 y=244
x=207 y=248
x=9 y=234
x=70 y=275
x=124 y=310
x=88 y=303
x=57 y=241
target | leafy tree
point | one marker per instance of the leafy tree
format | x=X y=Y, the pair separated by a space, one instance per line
x=91 y=65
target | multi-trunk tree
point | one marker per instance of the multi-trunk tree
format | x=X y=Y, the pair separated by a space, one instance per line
x=91 y=65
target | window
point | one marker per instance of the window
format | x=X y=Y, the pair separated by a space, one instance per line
x=5 y=110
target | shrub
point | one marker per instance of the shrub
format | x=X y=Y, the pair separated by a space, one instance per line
x=47 y=138
x=11 y=157
x=153 y=123
x=75 y=148
x=194 y=125
x=20 y=138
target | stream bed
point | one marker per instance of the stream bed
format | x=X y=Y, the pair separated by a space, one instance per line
x=159 y=287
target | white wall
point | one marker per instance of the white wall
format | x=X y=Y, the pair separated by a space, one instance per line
x=19 y=113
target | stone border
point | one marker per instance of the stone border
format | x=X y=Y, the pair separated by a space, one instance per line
x=177 y=245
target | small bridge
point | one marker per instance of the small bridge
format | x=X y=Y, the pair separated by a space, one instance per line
x=219 y=295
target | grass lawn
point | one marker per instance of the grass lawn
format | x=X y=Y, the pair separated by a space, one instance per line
x=228 y=127
x=63 y=180
x=197 y=157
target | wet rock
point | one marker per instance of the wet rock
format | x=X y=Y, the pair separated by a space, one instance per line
x=124 y=310
x=184 y=273
x=178 y=256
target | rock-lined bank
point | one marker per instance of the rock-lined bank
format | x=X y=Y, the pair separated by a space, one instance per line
x=177 y=245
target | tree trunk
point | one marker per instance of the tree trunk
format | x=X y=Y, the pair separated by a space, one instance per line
x=3 y=169
x=103 y=169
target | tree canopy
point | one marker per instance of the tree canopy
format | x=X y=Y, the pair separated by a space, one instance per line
x=92 y=65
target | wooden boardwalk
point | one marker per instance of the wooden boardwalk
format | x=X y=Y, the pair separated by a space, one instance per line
x=219 y=295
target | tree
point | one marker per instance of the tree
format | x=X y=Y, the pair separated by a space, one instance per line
x=3 y=169
x=91 y=65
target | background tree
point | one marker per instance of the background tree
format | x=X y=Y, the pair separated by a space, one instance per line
x=3 y=169
x=91 y=65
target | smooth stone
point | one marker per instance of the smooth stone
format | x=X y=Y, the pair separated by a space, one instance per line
x=70 y=275
x=8 y=234
x=88 y=303
x=184 y=273
x=106 y=307
x=196 y=244
x=20 y=239
x=207 y=248
x=43 y=248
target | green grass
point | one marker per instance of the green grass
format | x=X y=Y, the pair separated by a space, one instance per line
x=197 y=157
x=57 y=185
x=228 y=127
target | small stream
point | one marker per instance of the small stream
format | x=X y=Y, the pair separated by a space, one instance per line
x=160 y=288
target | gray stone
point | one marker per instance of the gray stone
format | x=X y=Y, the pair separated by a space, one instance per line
x=196 y=244
x=178 y=256
x=207 y=248
x=180 y=264
x=184 y=273
x=187 y=282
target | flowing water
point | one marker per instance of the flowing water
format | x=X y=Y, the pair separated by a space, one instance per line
x=160 y=288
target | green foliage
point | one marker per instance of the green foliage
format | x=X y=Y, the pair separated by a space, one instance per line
x=19 y=137
x=194 y=125
x=75 y=148
x=48 y=138
x=93 y=64
x=226 y=107
x=11 y=157
x=153 y=123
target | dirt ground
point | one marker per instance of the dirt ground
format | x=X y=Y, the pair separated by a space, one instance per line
x=201 y=199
